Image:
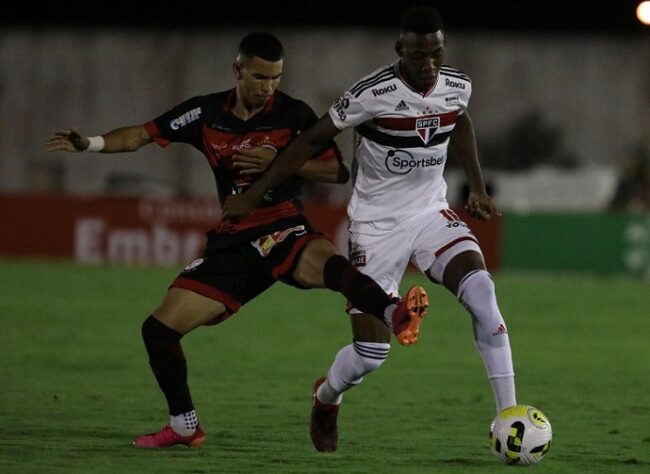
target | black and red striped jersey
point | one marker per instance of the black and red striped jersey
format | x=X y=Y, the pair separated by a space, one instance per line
x=207 y=123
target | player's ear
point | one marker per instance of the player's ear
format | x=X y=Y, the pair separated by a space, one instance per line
x=398 y=48
x=236 y=68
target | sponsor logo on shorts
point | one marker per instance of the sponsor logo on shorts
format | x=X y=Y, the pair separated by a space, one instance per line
x=452 y=218
x=402 y=162
x=357 y=254
x=193 y=265
x=358 y=258
x=265 y=244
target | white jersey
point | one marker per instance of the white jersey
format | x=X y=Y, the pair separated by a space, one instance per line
x=402 y=148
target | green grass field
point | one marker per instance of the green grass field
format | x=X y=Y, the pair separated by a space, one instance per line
x=76 y=386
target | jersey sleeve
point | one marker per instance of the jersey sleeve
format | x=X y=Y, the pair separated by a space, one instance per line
x=348 y=111
x=464 y=102
x=181 y=124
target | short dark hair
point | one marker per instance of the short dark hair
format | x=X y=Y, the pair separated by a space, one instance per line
x=421 y=19
x=263 y=45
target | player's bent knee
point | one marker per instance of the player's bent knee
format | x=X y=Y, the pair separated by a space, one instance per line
x=153 y=331
x=184 y=310
x=476 y=287
x=459 y=266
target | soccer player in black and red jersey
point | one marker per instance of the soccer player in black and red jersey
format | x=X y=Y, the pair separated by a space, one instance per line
x=239 y=131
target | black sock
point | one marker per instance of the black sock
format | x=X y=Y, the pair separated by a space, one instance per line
x=167 y=361
x=360 y=290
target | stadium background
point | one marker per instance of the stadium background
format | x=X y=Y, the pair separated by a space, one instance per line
x=88 y=242
x=560 y=106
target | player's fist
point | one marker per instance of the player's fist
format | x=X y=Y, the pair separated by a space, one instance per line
x=481 y=206
x=67 y=140
x=237 y=206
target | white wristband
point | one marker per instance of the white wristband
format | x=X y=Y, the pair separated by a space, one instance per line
x=95 y=143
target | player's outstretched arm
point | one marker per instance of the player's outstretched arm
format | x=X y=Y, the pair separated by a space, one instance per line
x=325 y=171
x=463 y=140
x=286 y=164
x=124 y=139
x=254 y=161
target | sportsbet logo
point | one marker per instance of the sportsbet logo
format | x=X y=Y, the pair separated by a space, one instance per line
x=402 y=162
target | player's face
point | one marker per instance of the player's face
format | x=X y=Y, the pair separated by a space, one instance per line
x=421 y=56
x=257 y=80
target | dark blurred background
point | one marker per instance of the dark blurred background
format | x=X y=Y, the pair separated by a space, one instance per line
x=604 y=16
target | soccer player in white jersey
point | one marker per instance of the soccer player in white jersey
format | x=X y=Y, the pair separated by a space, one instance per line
x=406 y=115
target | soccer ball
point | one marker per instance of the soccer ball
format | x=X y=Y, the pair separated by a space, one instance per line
x=520 y=435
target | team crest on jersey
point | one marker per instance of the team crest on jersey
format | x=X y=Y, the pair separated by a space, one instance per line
x=426 y=127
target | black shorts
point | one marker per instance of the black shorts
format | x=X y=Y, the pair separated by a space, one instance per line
x=237 y=273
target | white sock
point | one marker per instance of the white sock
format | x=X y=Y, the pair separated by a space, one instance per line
x=184 y=424
x=350 y=365
x=476 y=292
x=504 y=392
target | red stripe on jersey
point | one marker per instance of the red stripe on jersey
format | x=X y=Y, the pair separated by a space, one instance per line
x=218 y=146
x=452 y=243
x=300 y=244
x=231 y=303
x=260 y=216
x=229 y=103
x=269 y=104
x=154 y=132
x=408 y=123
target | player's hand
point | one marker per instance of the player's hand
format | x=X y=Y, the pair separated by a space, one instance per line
x=67 y=140
x=481 y=206
x=254 y=160
x=237 y=206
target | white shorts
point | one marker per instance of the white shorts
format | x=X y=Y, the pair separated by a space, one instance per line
x=429 y=241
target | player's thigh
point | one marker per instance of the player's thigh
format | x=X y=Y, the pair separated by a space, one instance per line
x=383 y=258
x=311 y=263
x=184 y=310
x=367 y=328
x=459 y=266
x=443 y=237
